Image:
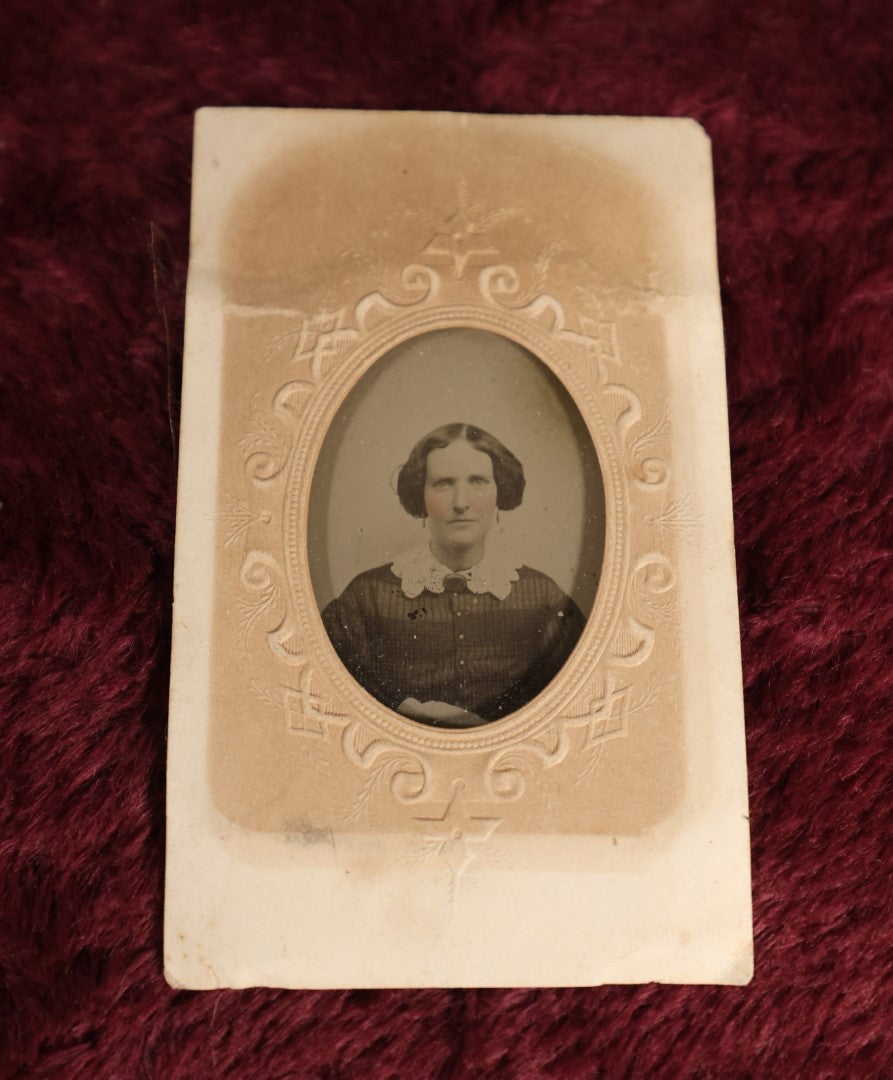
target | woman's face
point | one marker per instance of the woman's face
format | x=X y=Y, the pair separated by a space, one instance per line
x=460 y=496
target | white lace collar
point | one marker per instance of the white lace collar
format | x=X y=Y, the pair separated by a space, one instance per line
x=419 y=570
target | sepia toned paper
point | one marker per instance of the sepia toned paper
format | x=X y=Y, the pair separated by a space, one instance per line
x=468 y=715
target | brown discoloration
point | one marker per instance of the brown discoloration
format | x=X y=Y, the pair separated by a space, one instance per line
x=308 y=206
x=313 y=233
x=303 y=831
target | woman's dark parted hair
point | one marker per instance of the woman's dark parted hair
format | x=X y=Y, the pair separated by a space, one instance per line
x=508 y=472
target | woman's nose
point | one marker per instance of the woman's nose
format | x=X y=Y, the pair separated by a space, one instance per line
x=460 y=497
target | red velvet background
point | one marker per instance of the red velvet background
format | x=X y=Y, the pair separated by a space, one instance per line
x=95 y=145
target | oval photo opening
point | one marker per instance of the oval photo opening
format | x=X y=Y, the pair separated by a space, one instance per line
x=456 y=528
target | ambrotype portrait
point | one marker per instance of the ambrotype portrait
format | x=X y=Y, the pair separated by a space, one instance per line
x=459 y=624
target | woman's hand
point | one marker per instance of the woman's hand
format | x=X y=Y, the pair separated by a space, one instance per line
x=438 y=712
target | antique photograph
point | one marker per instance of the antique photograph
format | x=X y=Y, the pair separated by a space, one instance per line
x=455 y=617
x=462 y=575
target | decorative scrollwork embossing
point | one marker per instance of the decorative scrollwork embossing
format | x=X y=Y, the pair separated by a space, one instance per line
x=652 y=575
x=501 y=284
x=262 y=577
x=319 y=359
x=648 y=470
x=264 y=448
x=419 y=284
x=507 y=771
x=405 y=773
x=263 y=580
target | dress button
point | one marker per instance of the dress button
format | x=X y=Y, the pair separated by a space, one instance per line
x=461 y=636
x=461 y=661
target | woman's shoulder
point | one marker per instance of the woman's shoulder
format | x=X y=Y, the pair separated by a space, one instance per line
x=376 y=573
x=537 y=578
x=540 y=588
x=370 y=579
x=365 y=595
x=371 y=583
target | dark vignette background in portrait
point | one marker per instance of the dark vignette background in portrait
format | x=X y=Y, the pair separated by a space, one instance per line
x=356 y=521
x=473 y=376
x=96 y=128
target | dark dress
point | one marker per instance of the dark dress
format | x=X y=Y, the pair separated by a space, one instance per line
x=472 y=650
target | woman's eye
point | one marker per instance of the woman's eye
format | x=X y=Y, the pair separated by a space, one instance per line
x=479 y=480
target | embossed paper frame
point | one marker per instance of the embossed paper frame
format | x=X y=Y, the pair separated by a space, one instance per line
x=316 y=838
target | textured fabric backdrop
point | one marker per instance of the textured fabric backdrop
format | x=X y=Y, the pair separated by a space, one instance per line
x=95 y=145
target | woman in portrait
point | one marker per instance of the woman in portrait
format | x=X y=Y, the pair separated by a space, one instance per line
x=455 y=632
